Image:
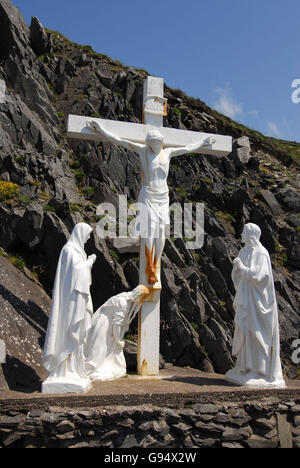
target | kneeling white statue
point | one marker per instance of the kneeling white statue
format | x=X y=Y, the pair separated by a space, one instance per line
x=70 y=317
x=105 y=341
x=256 y=338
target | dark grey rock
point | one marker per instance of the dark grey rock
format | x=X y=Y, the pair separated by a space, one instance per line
x=271 y=201
x=181 y=428
x=258 y=442
x=30 y=226
x=56 y=236
x=14 y=33
x=232 y=434
x=295 y=409
x=11 y=421
x=297 y=421
x=210 y=428
x=129 y=442
x=38 y=37
x=206 y=408
x=231 y=445
x=241 y=156
x=264 y=423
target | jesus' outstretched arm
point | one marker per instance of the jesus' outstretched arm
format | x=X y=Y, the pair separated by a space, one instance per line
x=97 y=128
x=206 y=141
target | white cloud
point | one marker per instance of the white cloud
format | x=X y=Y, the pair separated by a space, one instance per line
x=226 y=104
x=273 y=129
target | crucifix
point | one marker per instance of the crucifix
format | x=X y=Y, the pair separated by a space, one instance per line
x=155 y=145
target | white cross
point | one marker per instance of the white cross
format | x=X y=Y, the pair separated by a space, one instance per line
x=154 y=109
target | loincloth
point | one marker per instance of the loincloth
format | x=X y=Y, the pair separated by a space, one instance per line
x=154 y=210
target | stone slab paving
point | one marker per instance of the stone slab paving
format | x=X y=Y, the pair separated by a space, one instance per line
x=174 y=387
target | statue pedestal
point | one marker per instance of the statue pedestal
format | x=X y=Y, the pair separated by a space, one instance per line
x=66 y=385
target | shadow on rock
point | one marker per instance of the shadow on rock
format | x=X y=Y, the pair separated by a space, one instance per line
x=19 y=376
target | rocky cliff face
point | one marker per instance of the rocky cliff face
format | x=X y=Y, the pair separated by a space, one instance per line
x=43 y=78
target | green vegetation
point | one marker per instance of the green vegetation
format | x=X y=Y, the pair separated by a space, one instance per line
x=176 y=111
x=181 y=192
x=61 y=115
x=130 y=337
x=281 y=257
x=48 y=208
x=44 y=196
x=207 y=180
x=20 y=160
x=79 y=175
x=24 y=199
x=225 y=216
x=195 y=326
x=74 y=165
x=73 y=207
x=114 y=255
x=87 y=192
x=35 y=183
x=228 y=218
x=88 y=49
x=18 y=262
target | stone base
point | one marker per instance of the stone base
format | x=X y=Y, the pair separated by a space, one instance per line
x=64 y=385
x=250 y=380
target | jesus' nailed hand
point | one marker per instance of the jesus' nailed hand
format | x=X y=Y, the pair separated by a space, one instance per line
x=154 y=193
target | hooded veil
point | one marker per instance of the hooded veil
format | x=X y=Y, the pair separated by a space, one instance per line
x=71 y=308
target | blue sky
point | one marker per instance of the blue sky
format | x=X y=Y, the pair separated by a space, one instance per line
x=240 y=57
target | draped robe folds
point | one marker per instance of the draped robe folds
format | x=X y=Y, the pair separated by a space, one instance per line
x=256 y=338
x=104 y=358
x=156 y=210
x=70 y=318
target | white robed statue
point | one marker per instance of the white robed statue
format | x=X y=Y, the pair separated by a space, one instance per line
x=256 y=338
x=105 y=341
x=70 y=317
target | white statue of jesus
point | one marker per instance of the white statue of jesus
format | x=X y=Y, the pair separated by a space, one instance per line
x=154 y=193
x=256 y=338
